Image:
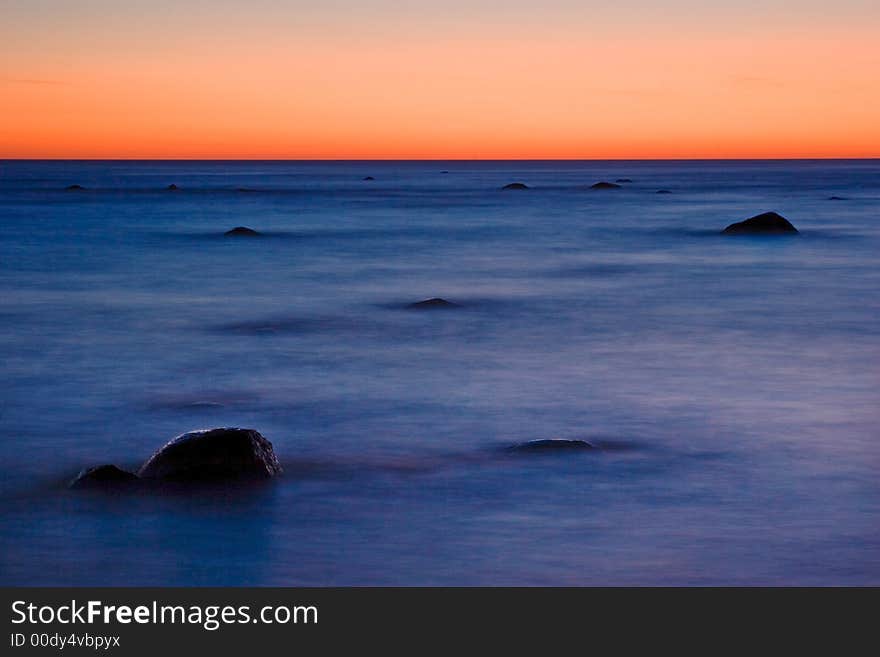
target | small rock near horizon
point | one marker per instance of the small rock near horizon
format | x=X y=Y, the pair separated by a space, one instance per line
x=429 y=304
x=551 y=444
x=241 y=231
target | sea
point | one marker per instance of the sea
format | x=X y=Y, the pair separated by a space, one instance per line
x=727 y=384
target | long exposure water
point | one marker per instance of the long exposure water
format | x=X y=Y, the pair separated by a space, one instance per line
x=730 y=384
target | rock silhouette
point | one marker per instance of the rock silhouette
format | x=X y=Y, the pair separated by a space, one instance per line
x=663 y=191
x=432 y=304
x=75 y=188
x=241 y=231
x=604 y=185
x=836 y=198
x=102 y=476
x=550 y=444
x=369 y=178
x=623 y=180
x=172 y=187
x=515 y=185
x=211 y=454
x=767 y=223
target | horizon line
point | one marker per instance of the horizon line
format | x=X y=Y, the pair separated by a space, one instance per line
x=438 y=159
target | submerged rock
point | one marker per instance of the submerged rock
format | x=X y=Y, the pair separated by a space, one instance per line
x=74 y=188
x=241 y=231
x=623 y=180
x=223 y=453
x=768 y=223
x=369 y=178
x=663 y=191
x=836 y=198
x=172 y=187
x=551 y=444
x=515 y=185
x=431 y=304
x=102 y=476
x=604 y=185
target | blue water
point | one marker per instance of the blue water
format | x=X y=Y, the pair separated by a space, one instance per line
x=730 y=383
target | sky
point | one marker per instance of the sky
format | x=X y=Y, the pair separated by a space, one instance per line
x=476 y=79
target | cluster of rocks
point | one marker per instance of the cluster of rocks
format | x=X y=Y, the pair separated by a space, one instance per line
x=767 y=223
x=75 y=188
x=230 y=454
x=225 y=453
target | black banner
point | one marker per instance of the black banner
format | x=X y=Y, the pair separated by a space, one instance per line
x=264 y=621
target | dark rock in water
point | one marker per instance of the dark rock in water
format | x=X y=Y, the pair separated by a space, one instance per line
x=369 y=178
x=102 y=476
x=605 y=185
x=516 y=185
x=75 y=188
x=623 y=180
x=245 y=189
x=242 y=231
x=836 y=198
x=431 y=304
x=210 y=454
x=768 y=223
x=551 y=444
x=172 y=187
x=663 y=191
x=444 y=172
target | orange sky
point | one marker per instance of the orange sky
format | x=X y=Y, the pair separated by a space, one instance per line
x=369 y=80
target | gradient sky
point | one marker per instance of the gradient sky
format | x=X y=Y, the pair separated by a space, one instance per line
x=451 y=79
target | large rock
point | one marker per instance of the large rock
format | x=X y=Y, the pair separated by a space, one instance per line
x=768 y=223
x=102 y=476
x=75 y=188
x=551 y=445
x=604 y=185
x=224 y=453
x=515 y=186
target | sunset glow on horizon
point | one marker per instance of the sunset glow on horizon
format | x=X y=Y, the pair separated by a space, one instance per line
x=470 y=80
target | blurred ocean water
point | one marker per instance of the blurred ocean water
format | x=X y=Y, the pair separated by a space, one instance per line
x=730 y=383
